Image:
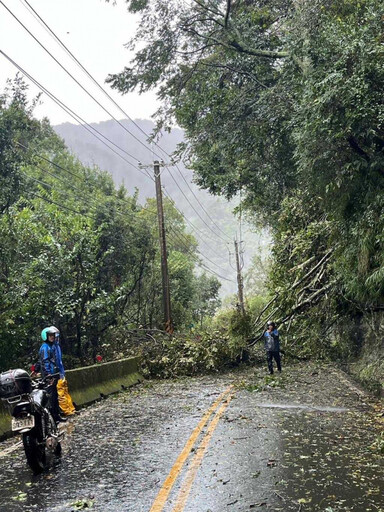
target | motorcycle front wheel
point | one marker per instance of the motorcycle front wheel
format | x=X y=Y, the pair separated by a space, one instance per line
x=35 y=452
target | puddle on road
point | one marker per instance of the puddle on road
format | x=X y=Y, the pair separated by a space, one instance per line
x=301 y=407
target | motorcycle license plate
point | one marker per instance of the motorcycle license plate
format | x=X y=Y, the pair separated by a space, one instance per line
x=27 y=422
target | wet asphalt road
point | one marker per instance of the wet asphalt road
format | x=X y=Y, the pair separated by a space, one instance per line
x=303 y=441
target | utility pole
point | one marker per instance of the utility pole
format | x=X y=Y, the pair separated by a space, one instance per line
x=163 y=250
x=163 y=246
x=239 y=280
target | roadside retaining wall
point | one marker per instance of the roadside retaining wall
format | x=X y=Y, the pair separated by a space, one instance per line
x=90 y=383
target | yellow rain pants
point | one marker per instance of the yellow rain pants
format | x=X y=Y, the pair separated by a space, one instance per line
x=65 y=400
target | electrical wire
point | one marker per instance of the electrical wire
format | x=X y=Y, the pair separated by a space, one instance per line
x=199 y=202
x=70 y=75
x=74 y=114
x=203 y=265
x=121 y=200
x=193 y=226
x=173 y=234
x=90 y=204
x=182 y=235
x=76 y=117
x=191 y=205
x=85 y=125
x=71 y=185
x=130 y=213
x=44 y=183
x=61 y=206
x=60 y=42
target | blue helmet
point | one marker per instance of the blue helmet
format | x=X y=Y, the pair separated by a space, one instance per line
x=49 y=330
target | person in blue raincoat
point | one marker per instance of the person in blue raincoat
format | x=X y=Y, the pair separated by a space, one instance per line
x=272 y=346
x=59 y=357
x=51 y=364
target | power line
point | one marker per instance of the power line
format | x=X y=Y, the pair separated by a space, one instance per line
x=201 y=254
x=200 y=264
x=46 y=26
x=41 y=182
x=71 y=173
x=87 y=127
x=53 y=34
x=75 y=116
x=121 y=200
x=89 y=216
x=189 y=202
x=197 y=199
x=130 y=213
x=173 y=234
x=91 y=205
x=195 y=228
x=70 y=75
x=97 y=102
x=182 y=235
x=62 y=206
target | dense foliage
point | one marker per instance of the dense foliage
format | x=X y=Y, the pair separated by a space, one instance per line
x=79 y=254
x=283 y=100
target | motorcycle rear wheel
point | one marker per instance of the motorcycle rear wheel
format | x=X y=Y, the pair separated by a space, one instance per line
x=34 y=452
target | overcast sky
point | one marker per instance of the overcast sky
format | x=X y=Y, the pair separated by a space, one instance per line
x=95 y=32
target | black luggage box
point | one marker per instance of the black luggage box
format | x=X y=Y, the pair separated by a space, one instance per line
x=14 y=383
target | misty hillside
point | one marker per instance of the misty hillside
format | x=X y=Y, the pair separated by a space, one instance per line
x=91 y=151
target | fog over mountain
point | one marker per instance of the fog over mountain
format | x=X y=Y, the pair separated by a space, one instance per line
x=92 y=151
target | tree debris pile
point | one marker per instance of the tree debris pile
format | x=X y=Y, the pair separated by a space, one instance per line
x=165 y=356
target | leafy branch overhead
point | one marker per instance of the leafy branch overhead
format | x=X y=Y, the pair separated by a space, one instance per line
x=182 y=35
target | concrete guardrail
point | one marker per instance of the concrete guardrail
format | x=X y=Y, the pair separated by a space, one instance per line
x=88 y=384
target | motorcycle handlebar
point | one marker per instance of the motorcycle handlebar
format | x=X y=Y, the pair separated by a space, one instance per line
x=43 y=380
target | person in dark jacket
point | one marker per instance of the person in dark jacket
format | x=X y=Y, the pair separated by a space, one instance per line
x=272 y=346
x=51 y=364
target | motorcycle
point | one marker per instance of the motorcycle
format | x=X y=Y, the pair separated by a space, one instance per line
x=28 y=402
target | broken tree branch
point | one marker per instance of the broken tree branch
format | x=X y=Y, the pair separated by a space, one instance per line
x=308 y=274
x=265 y=308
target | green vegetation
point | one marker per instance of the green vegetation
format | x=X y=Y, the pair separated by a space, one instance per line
x=79 y=254
x=188 y=354
x=283 y=100
x=279 y=100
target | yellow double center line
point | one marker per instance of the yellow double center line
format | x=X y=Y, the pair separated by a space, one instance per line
x=163 y=494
